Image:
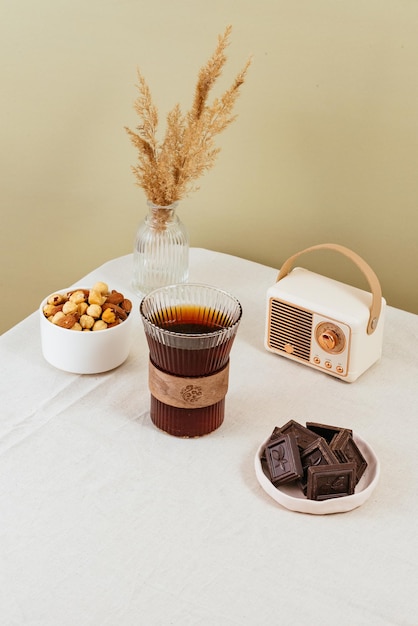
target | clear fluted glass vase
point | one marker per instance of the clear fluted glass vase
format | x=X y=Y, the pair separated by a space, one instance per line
x=161 y=252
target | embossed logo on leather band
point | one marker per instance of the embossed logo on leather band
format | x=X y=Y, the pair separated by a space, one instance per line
x=188 y=393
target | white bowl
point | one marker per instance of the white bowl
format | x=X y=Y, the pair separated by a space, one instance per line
x=84 y=352
x=292 y=497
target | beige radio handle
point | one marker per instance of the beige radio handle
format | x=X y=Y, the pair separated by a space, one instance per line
x=361 y=264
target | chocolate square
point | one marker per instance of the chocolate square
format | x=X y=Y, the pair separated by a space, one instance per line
x=325 y=430
x=347 y=451
x=276 y=433
x=283 y=459
x=317 y=453
x=304 y=437
x=330 y=481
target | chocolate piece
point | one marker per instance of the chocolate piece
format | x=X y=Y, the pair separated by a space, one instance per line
x=283 y=459
x=325 y=430
x=347 y=451
x=274 y=435
x=331 y=481
x=317 y=453
x=304 y=437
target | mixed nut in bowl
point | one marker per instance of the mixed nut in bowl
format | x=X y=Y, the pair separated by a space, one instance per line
x=86 y=330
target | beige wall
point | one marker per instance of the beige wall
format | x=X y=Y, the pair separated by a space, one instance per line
x=325 y=147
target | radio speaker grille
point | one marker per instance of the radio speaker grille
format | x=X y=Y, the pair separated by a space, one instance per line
x=290 y=330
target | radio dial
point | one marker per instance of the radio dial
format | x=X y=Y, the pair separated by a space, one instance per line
x=328 y=340
x=330 y=337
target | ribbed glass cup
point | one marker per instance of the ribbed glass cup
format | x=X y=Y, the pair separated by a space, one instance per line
x=161 y=250
x=190 y=329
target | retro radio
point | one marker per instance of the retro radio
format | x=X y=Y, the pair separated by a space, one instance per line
x=323 y=323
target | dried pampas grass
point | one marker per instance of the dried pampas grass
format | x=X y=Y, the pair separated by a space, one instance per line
x=167 y=170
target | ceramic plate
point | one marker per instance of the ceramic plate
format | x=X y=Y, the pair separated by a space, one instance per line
x=291 y=496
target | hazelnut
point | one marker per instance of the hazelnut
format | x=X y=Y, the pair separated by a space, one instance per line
x=82 y=307
x=51 y=309
x=94 y=310
x=101 y=287
x=77 y=296
x=95 y=297
x=69 y=307
x=99 y=325
x=56 y=298
x=86 y=322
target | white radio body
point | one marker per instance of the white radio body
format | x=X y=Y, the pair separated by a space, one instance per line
x=325 y=324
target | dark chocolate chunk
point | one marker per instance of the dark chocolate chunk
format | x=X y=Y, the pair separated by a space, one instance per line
x=330 y=481
x=304 y=437
x=317 y=453
x=347 y=451
x=283 y=459
x=325 y=430
x=274 y=435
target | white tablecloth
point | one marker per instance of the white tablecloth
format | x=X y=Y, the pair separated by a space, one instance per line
x=104 y=520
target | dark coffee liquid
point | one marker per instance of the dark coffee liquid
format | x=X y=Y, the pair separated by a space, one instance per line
x=189 y=320
x=189 y=328
x=187 y=422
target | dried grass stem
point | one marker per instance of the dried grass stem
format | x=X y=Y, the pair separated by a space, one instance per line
x=167 y=170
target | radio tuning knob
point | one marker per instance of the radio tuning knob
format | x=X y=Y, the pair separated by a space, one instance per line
x=330 y=337
x=328 y=340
